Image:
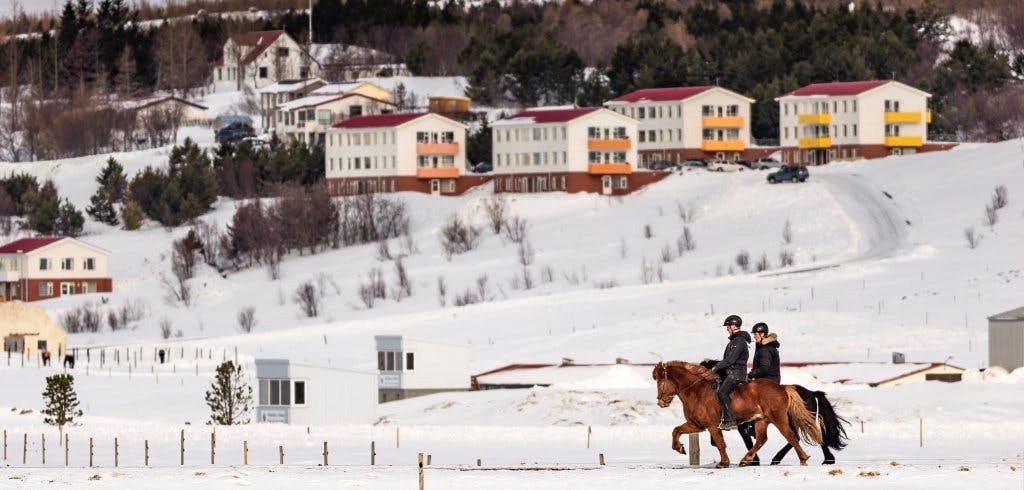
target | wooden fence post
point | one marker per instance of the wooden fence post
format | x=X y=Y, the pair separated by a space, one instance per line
x=478 y=462
x=24 y=450
x=115 y=452
x=920 y=432
x=66 y=459
x=280 y=454
x=397 y=440
x=90 y=452
x=182 y=447
x=5 y=444
x=146 y=442
x=588 y=436
x=419 y=458
x=245 y=452
x=429 y=458
x=694 y=450
x=213 y=444
x=325 y=453
x=373 y=451
x=44 y=448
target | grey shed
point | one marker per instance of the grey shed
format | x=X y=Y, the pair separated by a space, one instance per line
x=1006 y=339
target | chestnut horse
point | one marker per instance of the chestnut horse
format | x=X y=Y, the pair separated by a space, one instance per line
x=760 y=401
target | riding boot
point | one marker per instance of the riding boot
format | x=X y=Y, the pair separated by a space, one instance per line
x=728 y=419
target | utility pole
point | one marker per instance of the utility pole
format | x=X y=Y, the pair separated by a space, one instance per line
x=310 y=16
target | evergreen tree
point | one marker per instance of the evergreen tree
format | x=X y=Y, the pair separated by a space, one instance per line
x=61 y=401
x=69 y=221
x=113 y=180
x=478 y=144
x=229 y=396
x=131 y=215
x=43 y=217
x=101 y=208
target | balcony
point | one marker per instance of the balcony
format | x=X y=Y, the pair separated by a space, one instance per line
x=722 y=122
x=902 y=117
x=609 y=169
x=437 y=173
x=814 y=143
x=437 y=148
x=903 y=141
x=722 y=145
x=10 y=276
x=815 y=119
x=608 y=144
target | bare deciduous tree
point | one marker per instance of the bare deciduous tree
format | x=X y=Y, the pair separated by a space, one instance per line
x=648 y=231
x=308 y=299
x=165 y=328
x=515 y=229
x=458 y=237
x=247 y=319
x=403 y=285
x=666 y=254
x=991 y=217
x=495 y=207
x=785 y=258
x=442 y=291
x=743 y=260
x=999 y=198
x=787 y=233
x=525 y=253
x=180 y=66
x=762 y=263
x=973 y=239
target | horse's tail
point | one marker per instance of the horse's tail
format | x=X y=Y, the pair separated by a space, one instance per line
x=832 y=424
x=808 y=427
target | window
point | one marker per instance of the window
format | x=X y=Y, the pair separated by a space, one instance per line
x=536 y=134
x=355 y=110
x=650 y=136
x=282 y=52
x=622 y=182
x=640 y=112
x=323 y=116
x=643 y=136
x=300 y=392
x=410 y=360
x=45 y=289
x=263 y=72
x=44 y=264
x=67 y=264
x=706 y=110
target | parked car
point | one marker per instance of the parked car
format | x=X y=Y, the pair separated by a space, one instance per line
x=724 y=166
x=255 y=142
x=791 y=173
x=482 y=167
x=765 y=163
x=745 y=163
x=235 y=131
x=695 y=163
x=662 y=165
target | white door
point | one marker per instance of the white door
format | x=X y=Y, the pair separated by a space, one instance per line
x=435 y=186
x=67 y=288
x=606 y=184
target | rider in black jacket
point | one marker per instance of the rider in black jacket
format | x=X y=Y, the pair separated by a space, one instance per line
x=766 y=354
x=734 y=365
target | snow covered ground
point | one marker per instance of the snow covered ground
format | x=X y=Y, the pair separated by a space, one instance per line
x=881 y=265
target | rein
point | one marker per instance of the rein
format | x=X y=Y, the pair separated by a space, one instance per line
x=691 y=385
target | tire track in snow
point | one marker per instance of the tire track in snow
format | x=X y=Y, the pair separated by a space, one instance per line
x=879 y=221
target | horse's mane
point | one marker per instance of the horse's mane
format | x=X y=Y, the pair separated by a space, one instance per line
x=694 y=369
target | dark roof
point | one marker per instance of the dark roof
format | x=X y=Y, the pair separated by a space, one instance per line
x=542 y=116
x=25 y=245
x=839 y=88
x=259 y=40
x=381 y=121
x=1014 y=314
x=662 y=94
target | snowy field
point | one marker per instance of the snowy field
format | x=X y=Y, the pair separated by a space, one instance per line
x=881 y=265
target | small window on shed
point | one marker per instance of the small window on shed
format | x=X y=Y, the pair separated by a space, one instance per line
x=300 y=393
x=409 y=361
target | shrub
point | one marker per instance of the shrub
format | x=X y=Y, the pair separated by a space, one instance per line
x=999 y=199
x=131 y=215
x=457 y=237
x=515 y=229
x=743 y=260
x=495 y=207
x=247 y=319
x=973 y=239
x=307 y=298
x=785 y=258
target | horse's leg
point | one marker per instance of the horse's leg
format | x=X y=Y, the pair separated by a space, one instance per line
x=716 y=435
x=781 y=422
x=829 y=457
x=781 y=454
x=761 y=433
x=687 y=428
x=746 y=429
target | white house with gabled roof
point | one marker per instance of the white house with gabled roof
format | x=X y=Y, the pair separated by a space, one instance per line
x=823 y=122
x=38 y=268
x=678 y=123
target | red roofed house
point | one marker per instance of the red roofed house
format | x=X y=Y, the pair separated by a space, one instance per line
x=421 y=152
x=33 y=269
x=589 y=149
x=823 y=122
x=262 y=58
x=678 y=123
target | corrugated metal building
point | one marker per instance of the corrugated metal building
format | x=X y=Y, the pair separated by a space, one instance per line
x=1006 y=339
x=294 y=393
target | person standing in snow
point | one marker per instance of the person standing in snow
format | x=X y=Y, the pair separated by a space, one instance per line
x=734 y=365
x=766 y=354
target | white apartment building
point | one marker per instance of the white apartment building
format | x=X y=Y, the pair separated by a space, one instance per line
x=261 y=58
x=278 y=93
x=678 y=123
x=421 y=152
x=588 y=149
x=823 y=122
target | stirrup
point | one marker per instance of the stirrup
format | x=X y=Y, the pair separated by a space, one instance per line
x=727 y=425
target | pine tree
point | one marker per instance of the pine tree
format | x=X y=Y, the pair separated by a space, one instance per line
x=69 y=220
x=101 y=208
x=112 y=177
x=44 y=213
x=61 y=401
x=229 y=396
x=131 y=215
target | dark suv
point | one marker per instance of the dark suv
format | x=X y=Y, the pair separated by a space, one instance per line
x=791 y=173
x=235 y=131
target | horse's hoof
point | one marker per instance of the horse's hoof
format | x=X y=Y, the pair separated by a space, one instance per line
x=776 y=463
x=829 y=461
x=803 y=463
x=752 y=463
x=722 y=465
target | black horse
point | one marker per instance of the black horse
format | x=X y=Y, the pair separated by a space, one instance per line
x=832 y=424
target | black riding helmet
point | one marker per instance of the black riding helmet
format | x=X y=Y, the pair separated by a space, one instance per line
x=760 y=327
x=733 y=320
